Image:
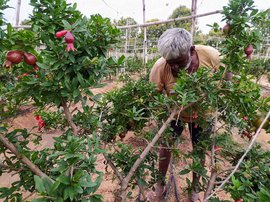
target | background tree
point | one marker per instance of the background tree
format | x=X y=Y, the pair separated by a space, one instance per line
x=181 y=11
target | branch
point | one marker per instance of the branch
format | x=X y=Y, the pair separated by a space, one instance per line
x=69 y=117
x=22 y=157
x=211 y=182
x=214 y=174
x=116 y=172
x=147 y=149
x=241 y=159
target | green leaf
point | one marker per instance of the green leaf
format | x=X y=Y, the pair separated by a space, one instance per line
x=42 y=65
x=59 y=199
x=55 y=186
x=39 y=185
x=121 y=59
x=39 y=200
x=96 y=198
x=66 y=24
x=77 y=176
x=76 y=93
x=185 y=171
x=48 y=184
x=69 y=192
x=80 y=79
x=57 y=101
x=64 y=179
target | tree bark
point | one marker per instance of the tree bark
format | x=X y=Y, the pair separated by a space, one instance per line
x=69 y=117
x=22 y=157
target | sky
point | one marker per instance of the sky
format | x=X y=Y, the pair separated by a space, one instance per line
x=154 y=9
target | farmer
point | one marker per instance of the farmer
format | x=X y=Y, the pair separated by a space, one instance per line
x=177 y=51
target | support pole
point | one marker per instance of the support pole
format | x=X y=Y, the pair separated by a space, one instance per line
x=18 y=12
x=144 y=39
x=193 y=19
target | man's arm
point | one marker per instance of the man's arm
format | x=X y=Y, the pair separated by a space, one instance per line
x=156 y=76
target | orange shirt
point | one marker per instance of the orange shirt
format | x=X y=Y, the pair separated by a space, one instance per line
x=162 y=76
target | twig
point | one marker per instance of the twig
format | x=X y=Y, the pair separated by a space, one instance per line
x=241 y=159
x=116 y=172
x=22 y=157
x=69 y=117
x=211 y=182
x=214 y=174
x=27 y=197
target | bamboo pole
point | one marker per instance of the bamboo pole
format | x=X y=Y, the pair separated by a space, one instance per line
x=144 y=39
x=18 y=12
x=148 y=24
x=170 y=20
x=193 y=13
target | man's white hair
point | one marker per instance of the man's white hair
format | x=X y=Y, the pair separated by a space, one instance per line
x=174 y=43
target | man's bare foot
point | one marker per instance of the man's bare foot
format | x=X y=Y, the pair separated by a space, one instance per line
x=194 y=196
x=158 y=195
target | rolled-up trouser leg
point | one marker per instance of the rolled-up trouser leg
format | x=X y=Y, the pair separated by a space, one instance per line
x=165 y=154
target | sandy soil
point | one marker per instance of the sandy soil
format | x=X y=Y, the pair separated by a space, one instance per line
x=110 y=183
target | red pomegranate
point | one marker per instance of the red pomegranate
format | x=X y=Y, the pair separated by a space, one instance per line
x=15 y=56
x=30 y=59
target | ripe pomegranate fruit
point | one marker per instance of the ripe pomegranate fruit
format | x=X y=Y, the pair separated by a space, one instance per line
x=61 y=33
x=122 y=135
x=30 y=59
x=248 y=51
x=15 y=56
x=69 y=38
x=226 y=29
x=228 y=76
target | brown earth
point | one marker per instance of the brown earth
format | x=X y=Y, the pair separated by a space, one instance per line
x=110 y=183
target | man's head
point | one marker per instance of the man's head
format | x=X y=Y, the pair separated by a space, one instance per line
x=175 y=46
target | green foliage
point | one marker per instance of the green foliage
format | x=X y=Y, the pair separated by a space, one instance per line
x=240 y=14
x=252 y=180
x=70 y=164
x=134 y=64
x=52 y=119
x=154 y=32
x=124 y=158
x=259 y=67
x=182 y=11
x=63 y=77
x=66 y=75
x=129 y=108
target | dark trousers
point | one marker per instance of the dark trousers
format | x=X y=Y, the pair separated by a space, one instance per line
x=197 y=134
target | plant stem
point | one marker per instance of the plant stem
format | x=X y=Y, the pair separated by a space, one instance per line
x=69 y=117
x=116 y=172
x=211 y=183
x=137 y=163
x=22 y=157
x=241 y=159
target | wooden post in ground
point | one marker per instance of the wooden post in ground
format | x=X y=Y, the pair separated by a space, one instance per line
x=193 y=13
x=18 y=12
x=144 y=39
